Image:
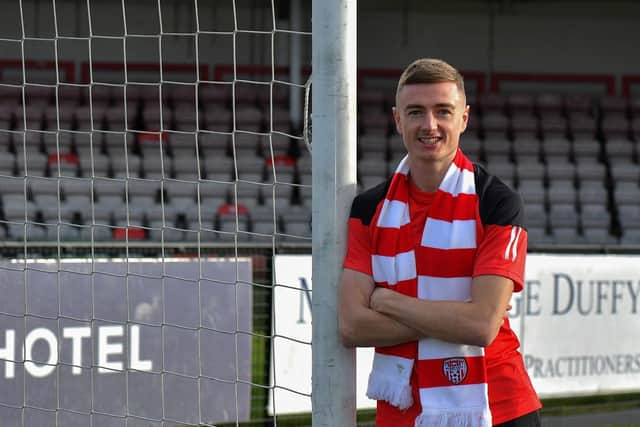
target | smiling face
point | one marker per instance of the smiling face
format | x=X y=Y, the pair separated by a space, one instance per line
x=430 y=117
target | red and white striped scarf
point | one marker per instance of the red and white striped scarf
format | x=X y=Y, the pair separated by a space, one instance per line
x=451 y=377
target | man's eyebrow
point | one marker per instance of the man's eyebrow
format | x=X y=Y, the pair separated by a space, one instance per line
x=414 y=106
x=438 y=105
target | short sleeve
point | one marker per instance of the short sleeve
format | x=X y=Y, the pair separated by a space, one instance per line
x=358 y=255
x=503 y=248
x=503 y=252
x=363 y=209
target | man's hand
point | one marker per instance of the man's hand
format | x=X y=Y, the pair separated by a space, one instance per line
x=379 y=296
x=360 y=325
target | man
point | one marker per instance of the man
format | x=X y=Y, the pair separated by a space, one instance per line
x=433 y=256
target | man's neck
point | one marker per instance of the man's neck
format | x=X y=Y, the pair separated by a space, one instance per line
x=427 y=176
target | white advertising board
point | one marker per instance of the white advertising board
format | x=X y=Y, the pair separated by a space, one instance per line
x=579 y=323
x=578 y=319
x=291 y=361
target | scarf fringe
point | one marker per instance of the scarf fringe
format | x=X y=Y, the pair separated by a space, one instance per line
x=397 y=393
x=476 y=417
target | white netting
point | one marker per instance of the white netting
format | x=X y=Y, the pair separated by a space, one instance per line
x=153 y=163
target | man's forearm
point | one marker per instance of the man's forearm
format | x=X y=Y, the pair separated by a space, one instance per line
x=368 y=328
x=446 y=320
x=476 y=322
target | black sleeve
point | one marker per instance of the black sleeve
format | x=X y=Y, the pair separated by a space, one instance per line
x=364 y=205
x=499 y=204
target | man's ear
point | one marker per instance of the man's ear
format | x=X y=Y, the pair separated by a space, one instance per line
x=396 y=118
x=465 y=119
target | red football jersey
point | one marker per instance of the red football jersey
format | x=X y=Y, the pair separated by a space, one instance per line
x=501 y=250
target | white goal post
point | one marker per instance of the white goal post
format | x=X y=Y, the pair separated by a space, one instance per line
x=333 y=185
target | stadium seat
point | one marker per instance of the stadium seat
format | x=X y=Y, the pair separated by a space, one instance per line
x=215 y=94
x=185 y=116
x=34 y=116
x=561 y=191
x=152 y=167
x=615 y=126
x=90 y=117
x=524 y=126
x=116 y=144
x=396 y=145
x=590 y=171
x=246 y=94
x=281 y=169
x=626 y=192
x=495 y=125
x=250 y=192
x=245 y=145
x=78 y=203
x=118 y=118
x=623 y=169
x=180 y=94
x=578 y=103
x=598 y=236
x=553 y=126
x=497 y=145
x=495 y=158
x=619 y=147
x=566 y=236
x=586 y=147
x=249 y=119
x=556 y=147
x=7 y=163
x=526 y=146
x=216 y=118
x=532 y=191
x=297 y=223
x=34 y=232
x=521 y=104
x=629 y=216
x=635 y=127
x=530 y=169
x=491 y=103
x=280 y=145
x=249 y=168
x=613 y=105
x=73 y=94
x=59 y=117
x=14 y=207
x=582 y=126
x=538 y=236
x=372 y=145
x=559 y=169
x=370 y=100
x=535 y=215
x=6 y=115
x=593 y=192
x=154 y=120
x=503 y=170
x=375 y=122
x=214 y=144
x=630 y=236
x=471 y=145
x=33 y=164
x=595 y=216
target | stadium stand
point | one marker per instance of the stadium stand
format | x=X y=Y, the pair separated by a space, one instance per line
x=572 y=157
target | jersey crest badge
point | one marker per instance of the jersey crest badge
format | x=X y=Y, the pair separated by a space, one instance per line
x=455 y=369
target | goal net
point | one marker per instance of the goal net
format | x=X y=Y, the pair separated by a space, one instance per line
x=153 y=167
